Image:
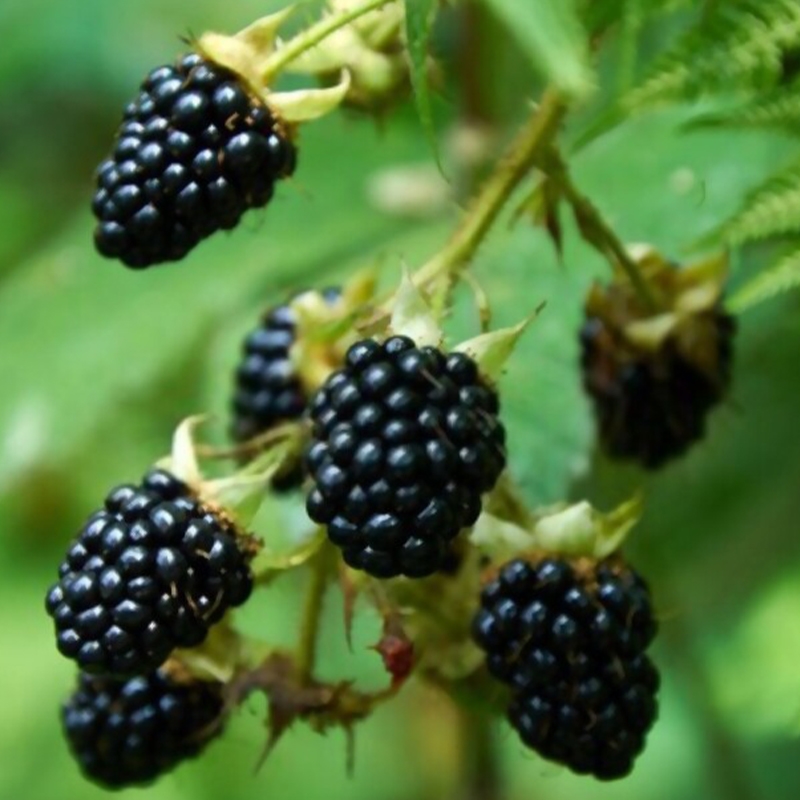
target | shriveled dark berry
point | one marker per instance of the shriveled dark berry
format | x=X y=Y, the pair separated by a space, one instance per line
x=651 y=403
x=398 y=459
x=151 y=571
x=196 y=149
x=267 y=388
x=128 y=732
x=570 y=642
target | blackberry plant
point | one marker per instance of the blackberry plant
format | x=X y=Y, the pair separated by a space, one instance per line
x=381 y=399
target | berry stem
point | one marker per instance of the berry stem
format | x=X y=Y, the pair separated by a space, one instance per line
x=595 y=229
x=312 y=36
x=519 y=159
x=312 y=611
x=481 y=775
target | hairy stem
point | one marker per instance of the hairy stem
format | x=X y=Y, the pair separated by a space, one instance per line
x=312 y=36
x=596 y=230
x=312 y=611
x=527 y=147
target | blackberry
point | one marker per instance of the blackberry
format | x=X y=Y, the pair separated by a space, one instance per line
x=195 y=150
x=651 y=405
x=125 y=733
x=405 y=441
x=268 y=389
x=151 y=571
x=569 y=639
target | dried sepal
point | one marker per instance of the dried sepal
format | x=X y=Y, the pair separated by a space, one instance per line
x=325 y=328
x=411 y=315
x=247 y=52
x=500 y=538
x=580 y=530
x=183 y=461
x=304 y=105
x=492 y=350
x=690 y=298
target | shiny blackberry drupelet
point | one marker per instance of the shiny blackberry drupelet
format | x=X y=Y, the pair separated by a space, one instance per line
x=195 y=150
x=570 y=642
x=125 y=733
x=405 y=441
x=651 y=407
x=152 y=571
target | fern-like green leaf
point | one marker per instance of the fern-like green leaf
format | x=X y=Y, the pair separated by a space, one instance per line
x=777 y=109
x=770 y=210
x=741 y=43
x=782 y=277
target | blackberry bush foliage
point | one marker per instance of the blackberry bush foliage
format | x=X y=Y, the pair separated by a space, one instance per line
x=405 y=442
x=128 y=732
x=397 y=424
x=152 y=570
x=196 y=149
x=569 y=639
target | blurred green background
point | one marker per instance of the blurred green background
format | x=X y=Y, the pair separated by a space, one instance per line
x=98 y=364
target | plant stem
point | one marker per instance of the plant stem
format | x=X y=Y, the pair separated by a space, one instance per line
x=312 y=36
x=726 y=769
x=596 y=231
x=471 y=58
x=519 y=159
x=312 y=611
x=480 y=776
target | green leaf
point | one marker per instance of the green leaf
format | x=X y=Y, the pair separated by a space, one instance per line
x=420 y=15
x=739 y=43
x=777 y=109
x=782 y=277
x=552 y=36
x=772 y=208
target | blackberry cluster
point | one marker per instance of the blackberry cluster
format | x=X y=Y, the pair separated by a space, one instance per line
x=151 y=571
x=195 y=150
x=268 y=389
x=124 y=733
x=652 y=406
x=570 y=641
x=405 y=441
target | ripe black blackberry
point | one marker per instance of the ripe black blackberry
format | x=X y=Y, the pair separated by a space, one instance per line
x=151 y=571
x=125 y=733
x=195 y=150
x=655 y=374
x=268 y=390
x=651 y=406
x=570 y=640
x=405 y=441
